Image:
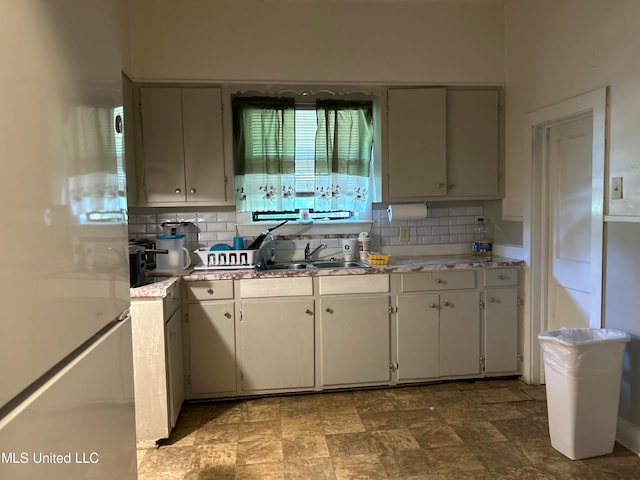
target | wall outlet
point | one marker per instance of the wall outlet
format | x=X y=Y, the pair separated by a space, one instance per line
x=404 y=234
x=616 y=188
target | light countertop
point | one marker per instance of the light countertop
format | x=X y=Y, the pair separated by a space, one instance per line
x=396 y=265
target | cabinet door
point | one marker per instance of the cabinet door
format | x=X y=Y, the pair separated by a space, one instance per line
x=162 y=141
x=417 y=143
x=203 y=152
x=418 y=332
x=501 y=331
x=355 y=338
x=176 y=366
x=473 y=143
x=277 y=338
x=212 y=350
x=459 y=333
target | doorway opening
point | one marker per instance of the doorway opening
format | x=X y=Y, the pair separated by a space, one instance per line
x=563 y=220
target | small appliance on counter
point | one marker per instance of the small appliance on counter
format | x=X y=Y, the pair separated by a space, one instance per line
x=177 y=257
x=141 y=260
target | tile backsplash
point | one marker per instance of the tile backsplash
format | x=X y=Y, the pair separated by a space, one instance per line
x=443 y=225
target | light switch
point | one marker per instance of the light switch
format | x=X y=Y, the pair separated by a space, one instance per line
x=616 y=188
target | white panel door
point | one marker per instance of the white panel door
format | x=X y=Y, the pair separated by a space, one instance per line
x=570 y=174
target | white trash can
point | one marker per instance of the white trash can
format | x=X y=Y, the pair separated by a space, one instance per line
x=583 y=371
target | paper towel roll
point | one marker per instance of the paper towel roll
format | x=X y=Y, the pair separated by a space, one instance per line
x=407 y=211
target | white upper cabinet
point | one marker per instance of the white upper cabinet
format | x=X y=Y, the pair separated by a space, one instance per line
x=444 y=143
x=182 y=148
x=417 y=143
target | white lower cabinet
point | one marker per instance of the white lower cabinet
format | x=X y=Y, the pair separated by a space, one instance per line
x=175 y=364
x=158 y=365
x=501 y=321
x=437 y=326
x=273 y=335
x=501 y=331
x=417 y=337
x=437 y=335
x=277 y=344
x=460 y=334
x=354 y=340
x=212 y=348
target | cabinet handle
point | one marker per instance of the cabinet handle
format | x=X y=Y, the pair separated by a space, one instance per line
x=227 y=314
x=193 y=190
x=433 y=305
x=446 y=304
x=178 y=191
x=451 y=185
x=210 y=291
x=308 y=312
x=118 y=124
x=438 y=281
x=492 y=300
x=502 y=277
x=329 y=310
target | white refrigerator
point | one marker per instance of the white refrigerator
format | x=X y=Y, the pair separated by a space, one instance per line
x=66 y=381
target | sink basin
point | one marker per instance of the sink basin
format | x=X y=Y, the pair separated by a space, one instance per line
x=287 y=266
x=316 y=265
x=339 y=264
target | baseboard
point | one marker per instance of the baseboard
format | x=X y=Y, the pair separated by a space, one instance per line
x=628 y=435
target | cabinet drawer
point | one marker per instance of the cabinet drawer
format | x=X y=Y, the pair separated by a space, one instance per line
x=276 y=287
x=171 y=302
x=353 y=284
x=420 y=281
x=210 y=290
x=500 y=277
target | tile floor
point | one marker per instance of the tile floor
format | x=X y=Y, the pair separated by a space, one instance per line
x=481 y=430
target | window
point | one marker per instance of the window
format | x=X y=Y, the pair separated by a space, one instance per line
x=292 y=155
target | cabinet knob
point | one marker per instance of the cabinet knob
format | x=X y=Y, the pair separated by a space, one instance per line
x=492 y=300
x=308 y=312
x=440 y=185
x=193 y=190
x=451 y=185
x=446 y=304
x=438 y=281
x=502 y=277
x=227 y=314
x=178 y=191
x=433 y=305
x=329 y=310
x=210 y=291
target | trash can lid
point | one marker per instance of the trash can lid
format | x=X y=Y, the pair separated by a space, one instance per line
x=582 y=336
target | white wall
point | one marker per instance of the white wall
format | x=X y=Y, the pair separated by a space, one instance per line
x=318 y=41
x=555 y=50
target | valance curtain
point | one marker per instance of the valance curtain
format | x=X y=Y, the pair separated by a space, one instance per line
x=344 y=142
x=264 y=153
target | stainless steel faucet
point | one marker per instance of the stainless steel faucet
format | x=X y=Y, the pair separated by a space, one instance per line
x=308 y=253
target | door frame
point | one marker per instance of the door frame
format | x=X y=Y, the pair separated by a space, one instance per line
x=535 y=220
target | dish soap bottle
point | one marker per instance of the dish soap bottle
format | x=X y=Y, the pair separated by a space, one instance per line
x=482 y=245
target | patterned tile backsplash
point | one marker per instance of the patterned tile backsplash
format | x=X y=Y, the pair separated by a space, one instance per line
x=443 y=225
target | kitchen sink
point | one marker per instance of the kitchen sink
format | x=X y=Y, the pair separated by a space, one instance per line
x=316 y=265
x=339 y=264
x=287 y=266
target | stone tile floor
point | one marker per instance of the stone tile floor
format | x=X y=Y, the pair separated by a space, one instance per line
x=481 y=430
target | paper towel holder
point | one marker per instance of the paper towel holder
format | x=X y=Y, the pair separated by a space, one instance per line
x=407 y=211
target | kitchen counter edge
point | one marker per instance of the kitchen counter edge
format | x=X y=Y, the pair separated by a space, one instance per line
x=396 y=265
